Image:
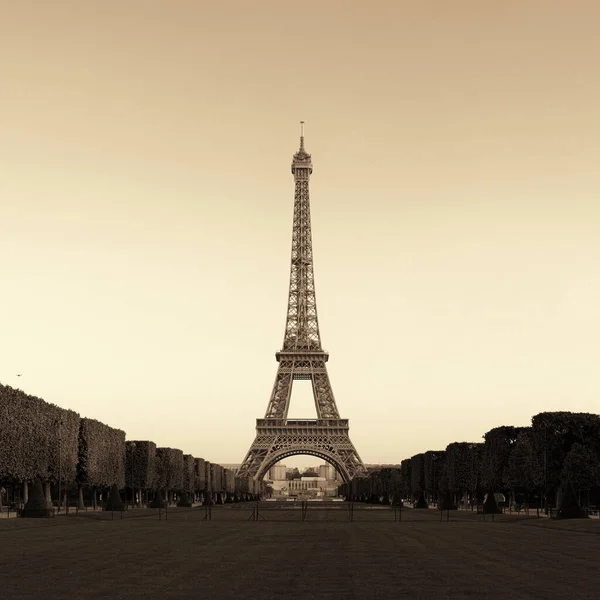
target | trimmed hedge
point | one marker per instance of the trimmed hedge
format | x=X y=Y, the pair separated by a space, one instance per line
x=30 y=438
x=216 y=474
x=158 y=501
x=34 y=433
x=169 y=469
x=417 y=474
x=207 y=476
x=189 y=474
x=199 y=474
x=36 y=506
x=433 y=468
x=114 y=502
x=462 y=466
x=229 y=480
x=568 y=506
x=144 y=464
x=101 y=455
x=497 y=448
x=554 y=434
x=406 y=477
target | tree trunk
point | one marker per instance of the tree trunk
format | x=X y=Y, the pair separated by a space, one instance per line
x=94 y=498
x=80 y=502
x=25 y=492
x=48 y=494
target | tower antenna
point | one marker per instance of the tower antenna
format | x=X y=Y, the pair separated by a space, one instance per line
x=301 y=135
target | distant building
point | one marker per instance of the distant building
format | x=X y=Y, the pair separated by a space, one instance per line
x=328 y=472
x=324 y=484
x=310 y=487
x=277 y=472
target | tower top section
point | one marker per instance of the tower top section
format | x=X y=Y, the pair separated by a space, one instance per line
x=301 y=160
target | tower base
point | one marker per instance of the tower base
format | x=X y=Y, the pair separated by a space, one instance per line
x=277 y=439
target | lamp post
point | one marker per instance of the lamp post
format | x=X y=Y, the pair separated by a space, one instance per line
x=433 y=482
x=60 y=423
x=132 y=446
x=545 y=470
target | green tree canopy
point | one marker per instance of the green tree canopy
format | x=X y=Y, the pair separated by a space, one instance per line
x=581 y=468
x=523 y=471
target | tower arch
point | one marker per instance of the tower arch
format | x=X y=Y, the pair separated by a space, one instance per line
x=323 y=455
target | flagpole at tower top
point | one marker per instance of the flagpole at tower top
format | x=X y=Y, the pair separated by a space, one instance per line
x=301 y=135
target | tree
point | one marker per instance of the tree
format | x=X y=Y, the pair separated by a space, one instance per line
x=523 y=470
x=169 y=470
x=200 y=475
x=406 y=477
x=581 y=468
x=189 y=474
x=39 y=439
x=417 y=475
x=309 y=473
x=554 y=433
x=497 y=448
x=141 y=454
x=474 y=483
x=462 y=467
x=101 y=455
x=433 y=471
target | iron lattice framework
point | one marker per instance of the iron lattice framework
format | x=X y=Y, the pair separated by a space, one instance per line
x=302 y=357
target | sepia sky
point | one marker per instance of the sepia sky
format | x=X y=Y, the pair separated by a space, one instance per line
x=146 y=211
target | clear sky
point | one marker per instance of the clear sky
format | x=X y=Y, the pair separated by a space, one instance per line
x=146 y=210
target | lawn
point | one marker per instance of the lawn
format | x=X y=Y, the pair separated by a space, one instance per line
x=280 y=556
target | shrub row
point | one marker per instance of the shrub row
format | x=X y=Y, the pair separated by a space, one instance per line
x=42 y=440
x=559 y=449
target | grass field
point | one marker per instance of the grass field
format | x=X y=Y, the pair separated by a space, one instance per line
x=279 y=556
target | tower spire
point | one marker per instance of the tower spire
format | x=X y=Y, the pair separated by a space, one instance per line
x=302 y=136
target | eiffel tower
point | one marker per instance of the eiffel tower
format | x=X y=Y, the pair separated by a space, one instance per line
x=302 y=357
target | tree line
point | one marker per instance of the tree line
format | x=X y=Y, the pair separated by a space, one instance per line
x=84 y=458
x=529 y=465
